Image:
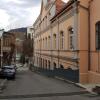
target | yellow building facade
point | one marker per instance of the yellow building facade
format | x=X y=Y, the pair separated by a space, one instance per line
x=65 y=37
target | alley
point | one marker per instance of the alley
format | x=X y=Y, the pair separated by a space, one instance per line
x=31 y=86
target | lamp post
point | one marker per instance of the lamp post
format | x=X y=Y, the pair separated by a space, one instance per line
x=1 y=36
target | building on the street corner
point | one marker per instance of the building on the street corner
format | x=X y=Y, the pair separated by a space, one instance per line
x=8 y=48
x=66 y=36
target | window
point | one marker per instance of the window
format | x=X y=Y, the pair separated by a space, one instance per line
x=46 y=43
x=54 y=41
x=49 y=42
x=46 y=21
x=61 y=66
x=49 y=64
x=42 y=43
x=54 y=65
x=98 y=35
x=71 y=38
x=61 y=40
x=43 y=64
x=39 y=44
x=46 y=64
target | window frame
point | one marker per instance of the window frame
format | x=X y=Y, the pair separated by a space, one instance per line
x=70 y=38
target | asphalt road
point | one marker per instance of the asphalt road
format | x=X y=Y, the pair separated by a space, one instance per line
x=31 y=86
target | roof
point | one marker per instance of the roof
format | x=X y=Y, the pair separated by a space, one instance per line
x=65 y=6
x=8 y=34
x=24 y=30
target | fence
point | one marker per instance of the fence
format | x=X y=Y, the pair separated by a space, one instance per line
x=69 y=74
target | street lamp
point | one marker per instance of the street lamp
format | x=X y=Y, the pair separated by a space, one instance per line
x=1 y=37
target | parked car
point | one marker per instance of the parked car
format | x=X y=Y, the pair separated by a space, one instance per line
x=8 y=72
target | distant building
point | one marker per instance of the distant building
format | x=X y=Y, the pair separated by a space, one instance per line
x=67 y=36
x=8 y=47
x=20 y=35
x=30 y=31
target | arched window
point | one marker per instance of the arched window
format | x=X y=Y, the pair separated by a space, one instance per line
x=54 y=41
x=43 y=44
x=45 y=64
x=46 y=44
x=61 y=66
x=49 y=64
x=98 y=35
x=61 y=40
x=39 y=44
x=41 y=63
x=54 y=65
x=49 y=41
x=71 y=38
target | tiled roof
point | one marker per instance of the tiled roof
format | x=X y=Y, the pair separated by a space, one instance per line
x=59 y=5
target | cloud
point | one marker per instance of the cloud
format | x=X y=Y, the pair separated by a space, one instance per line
x=65 y=1
x=18 y=13
x=4 y=18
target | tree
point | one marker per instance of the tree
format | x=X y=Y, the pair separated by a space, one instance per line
x=11 y=53
x=28 y=47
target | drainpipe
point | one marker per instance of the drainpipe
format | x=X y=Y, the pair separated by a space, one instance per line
x=75 y=25
x=40 y=48
x=58 y=43
x=33 y=46
x=51 y=47
x=89 y=38
x=89 y=62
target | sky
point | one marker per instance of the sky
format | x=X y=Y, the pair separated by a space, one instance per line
x=18 y=13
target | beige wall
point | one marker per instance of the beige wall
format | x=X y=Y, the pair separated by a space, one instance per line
x=57 y=55
x=83 y=43
x=94 y=73
x=61 y=24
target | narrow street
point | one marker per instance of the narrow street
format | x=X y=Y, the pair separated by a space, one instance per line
x=31 y=86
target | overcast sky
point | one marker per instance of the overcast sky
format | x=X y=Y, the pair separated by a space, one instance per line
x=18 y=13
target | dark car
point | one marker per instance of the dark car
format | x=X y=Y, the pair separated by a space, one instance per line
x=8 y=72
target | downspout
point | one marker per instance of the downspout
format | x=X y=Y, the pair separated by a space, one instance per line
x=58 y=43
x=89 y=63
x=40 y=47
x=75 y=25
x=33 y=47
x=89 y=38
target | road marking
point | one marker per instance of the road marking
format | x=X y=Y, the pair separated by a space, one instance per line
x=42 y=95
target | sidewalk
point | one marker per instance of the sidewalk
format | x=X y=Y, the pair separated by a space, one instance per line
x=87 y=87
x=2 y=84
